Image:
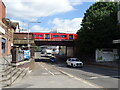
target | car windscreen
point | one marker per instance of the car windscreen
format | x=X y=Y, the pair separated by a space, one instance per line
x=48 y=53
x=75 y=60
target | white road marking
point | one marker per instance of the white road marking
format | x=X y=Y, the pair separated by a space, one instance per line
x=93 y=77
x=104 y=77
x=29 y=71
x=49 y=71
x=42 y=66
x=46 y=69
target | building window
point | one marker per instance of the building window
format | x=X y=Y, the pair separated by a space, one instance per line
x=62 y=36
x=39 y=35
x=55 y=36
x=3 y=45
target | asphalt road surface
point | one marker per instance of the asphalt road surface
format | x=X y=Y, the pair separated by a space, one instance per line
x=49 y=75
x=103 y=77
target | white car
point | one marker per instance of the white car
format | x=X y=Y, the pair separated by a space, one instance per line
x=48 y=54
x=42 y=53
x=74 y=62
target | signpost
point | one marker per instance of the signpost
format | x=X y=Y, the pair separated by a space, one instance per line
x=26 y=54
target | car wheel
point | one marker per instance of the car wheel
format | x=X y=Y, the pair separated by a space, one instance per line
x=67 y=65
x=72 y=65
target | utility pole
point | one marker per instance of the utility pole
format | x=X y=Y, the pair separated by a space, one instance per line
x=29 y=32
x=29 y=36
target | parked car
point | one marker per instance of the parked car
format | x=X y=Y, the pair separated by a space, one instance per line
x=48 y=54
x=42 y=53
x=74 y=62
x=52 y=59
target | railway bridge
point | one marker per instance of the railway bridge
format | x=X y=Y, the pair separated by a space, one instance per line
x=57 y=39
x=66 y=41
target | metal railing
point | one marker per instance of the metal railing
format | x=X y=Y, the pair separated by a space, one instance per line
x=6 y=67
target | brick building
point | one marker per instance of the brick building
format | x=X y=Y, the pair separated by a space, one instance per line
x=6 y=33
x=23 y=39
x=2 y=10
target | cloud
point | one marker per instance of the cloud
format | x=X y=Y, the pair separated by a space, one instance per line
x=75 y=2
x=32 y=9
x=37 y=28
x=66 y=25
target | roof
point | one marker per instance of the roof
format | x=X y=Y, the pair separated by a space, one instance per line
x=15 y=24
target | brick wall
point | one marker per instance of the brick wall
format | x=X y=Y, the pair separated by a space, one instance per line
x=23 y=36
x=8 y=36
x=2 y=10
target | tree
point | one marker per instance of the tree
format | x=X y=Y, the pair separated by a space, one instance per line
x=99 y=27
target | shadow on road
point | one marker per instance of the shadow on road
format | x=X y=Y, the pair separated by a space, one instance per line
x=92 y=69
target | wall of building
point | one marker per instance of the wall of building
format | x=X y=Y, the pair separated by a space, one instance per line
x=2 y=10
x=8 y=36
x=5 y=32
x=104 y=55
x=21 y=40
x=23 y=36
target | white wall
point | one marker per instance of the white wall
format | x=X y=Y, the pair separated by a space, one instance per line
x=102 y=55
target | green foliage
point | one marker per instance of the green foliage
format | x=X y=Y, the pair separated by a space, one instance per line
x=36 y=48
x=99 y=27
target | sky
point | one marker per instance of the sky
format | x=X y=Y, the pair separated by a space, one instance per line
x=63 y=16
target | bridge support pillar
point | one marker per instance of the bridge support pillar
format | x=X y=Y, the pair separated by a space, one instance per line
x=70 y=51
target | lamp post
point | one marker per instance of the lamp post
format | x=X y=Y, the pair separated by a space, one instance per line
x=29 y=31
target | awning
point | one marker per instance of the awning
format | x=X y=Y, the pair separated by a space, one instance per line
x=2 y=30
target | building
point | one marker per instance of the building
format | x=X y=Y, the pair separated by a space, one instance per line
x=6 y=32
x=22 y=40
x=2 y=10
x=2 y=29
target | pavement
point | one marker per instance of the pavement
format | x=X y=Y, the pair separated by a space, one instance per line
x=1 y=67
x=47 y=76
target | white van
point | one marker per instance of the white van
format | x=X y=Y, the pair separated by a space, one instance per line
x=48 y=52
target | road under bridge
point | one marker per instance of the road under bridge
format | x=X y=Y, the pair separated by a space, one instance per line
x=68 y=48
